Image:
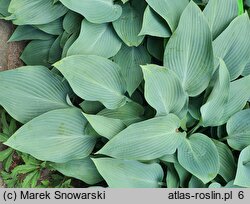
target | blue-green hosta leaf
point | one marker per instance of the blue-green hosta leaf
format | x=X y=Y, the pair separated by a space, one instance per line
x=37 y=52
x=246 y=70
x=128 y=26
x=139 y=5
x=94 y=78
x=210 y=114
x=53 y=28
x=194 y=106
x=68 y=43
x=146 y=140
x=29 y=11
x=226 y=99
x=55 y=51
x=56 y=136
x=243 y=170
x=195 y=183
x=27 y=32
x=72 y=22
x=4 y=4
x=129 y=113
x=219 y=14
x=228 y=185
x=227 y=162
x=183 y=174
x=231 y=185
x=170 y=158
x=96 y=39
x=95 y=11
x=172 y=178
x=30 y=91
x=129 y=174
x=64 y=39
x=215 y=185
x=189 y=51
x=130 y=59
x=154 y=25
x=155 y=47
x=233 y=45
x=170 y=10
x=104 y=126
x=238 y=129
x=82 y=169
x=163 y=90
x=91 y=107
x=199 y=155
x=137 y=96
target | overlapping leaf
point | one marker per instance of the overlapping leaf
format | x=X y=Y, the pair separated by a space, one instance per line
x=210 y=112
x=62 y=140
x=96 y=39
x=104 y=126
x=130 y=59
x=30 y=91
x=37 y=52
x=82 y=169
x=92 y=76
x=129 y=174
x=129 y=113
x=155 y=47
x=189 y=51
x=199 y=156
x=183 y=174
x=28 y=32
x=226 y=99
x=246 y=71
x=53 y=28
x=172 y=179
x=29 y=11
x=243 y=169
x=91 y=107
x=72 y=22
x=4 y=4
x=146 y=140
x=169 y=10
x=163 y=90
x=238 y=129
x=233 y=45
x=128 y=26
x=219 y=14
x=195 y=183
x=154 y=25
x=227 y=161
x=95 y=11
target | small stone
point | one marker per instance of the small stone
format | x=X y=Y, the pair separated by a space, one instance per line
x=9 y=52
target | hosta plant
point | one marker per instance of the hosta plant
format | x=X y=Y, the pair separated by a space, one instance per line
x=138 y=93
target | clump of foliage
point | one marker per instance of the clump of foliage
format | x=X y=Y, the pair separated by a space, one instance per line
x=138 y=93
